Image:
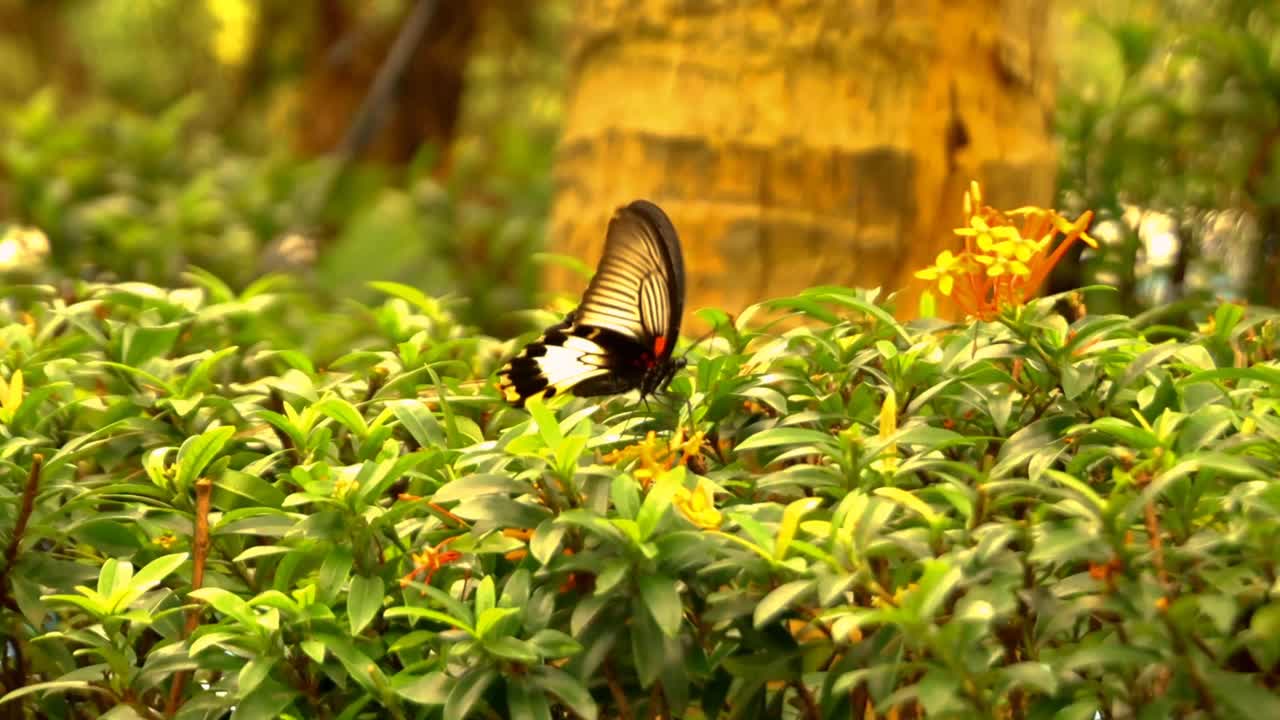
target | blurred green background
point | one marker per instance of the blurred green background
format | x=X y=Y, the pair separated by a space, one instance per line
x=138 y=137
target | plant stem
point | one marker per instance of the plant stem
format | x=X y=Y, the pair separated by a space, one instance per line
x=20 y=528
x=811 y=711
x=200 y=543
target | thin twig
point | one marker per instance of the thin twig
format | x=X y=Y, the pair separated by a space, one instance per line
x=811 y=711
x=615 y=688
x=200 y=544
x=20 y=528
x=1157 y=548
x=18 y=676
x=369 y=116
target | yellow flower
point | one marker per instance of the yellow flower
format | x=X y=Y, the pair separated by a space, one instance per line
x=343 y=487
x=997 y=266
x=944 y=271
x=11 y=396
x=1066 y=227
x=656 y=456
x=698 y=505
x=889 y=426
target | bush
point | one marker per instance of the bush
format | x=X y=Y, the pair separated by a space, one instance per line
x=1026 y=517
x=127 y=197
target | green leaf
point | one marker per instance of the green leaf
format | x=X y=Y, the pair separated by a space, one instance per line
x=236 y=484
x=554 y=644
x=1244 y=695
x=939 y=692
x=502 y=511
x=843 y=296
x=780 y=599
x=428 y=614
x=564 y=686
x=481 y=484
x=937 y=582
x=467 y=692
x=662 y=599
x=489 y=619
x=357 y=664
x=785 y=436
x=429 y=689
x=429 y=306
x=525 y=702
x=658 y=501
x=344 y=413
x=252 y=675
x=511 y=649
x=114 y=576
x=140 y=344
x=486 y=595
x=333 y=573
x=545 y=422
x=1037 y=676
x=364 y=601
x=907 y=500
x=157 y=570
x=1140 y=366
x=648 y=652
x=791 y=517
x=200 y=374
x=56 y=686
x=418 y=420
x=1203 y=427
x=197 y=452
x=546 y=540
x=228 y=604
x=1126 y=432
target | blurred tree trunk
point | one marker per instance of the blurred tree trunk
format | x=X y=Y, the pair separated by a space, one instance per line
x=37 y=28
x=802 y=142
x=345 y=53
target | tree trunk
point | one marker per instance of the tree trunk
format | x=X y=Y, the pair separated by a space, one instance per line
x=801 y=142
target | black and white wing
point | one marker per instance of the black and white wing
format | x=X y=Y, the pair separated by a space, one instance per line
x=638 y=288
x=626 y=325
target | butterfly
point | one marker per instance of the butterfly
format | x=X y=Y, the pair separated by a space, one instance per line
x=621 y=336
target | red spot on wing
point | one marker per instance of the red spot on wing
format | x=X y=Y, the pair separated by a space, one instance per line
x=659 y=345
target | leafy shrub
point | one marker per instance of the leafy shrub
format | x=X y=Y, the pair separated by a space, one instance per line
x=1174 y=107
x=125 y=197
x=1026 y=517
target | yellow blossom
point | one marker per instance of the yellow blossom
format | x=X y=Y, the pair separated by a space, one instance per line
x=11 y=396
x=898 y=596
x=698 y=505
x=655 y=456
x=343 y=487
x=944 y=271
x=997 y=266
x=889 y=426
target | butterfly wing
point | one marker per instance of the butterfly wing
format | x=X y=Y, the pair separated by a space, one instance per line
x=626 y=324
x=638 y=289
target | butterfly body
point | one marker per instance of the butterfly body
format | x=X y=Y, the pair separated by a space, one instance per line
x=621 y=336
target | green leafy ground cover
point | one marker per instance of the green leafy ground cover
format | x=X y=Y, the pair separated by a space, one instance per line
x=1032 y=517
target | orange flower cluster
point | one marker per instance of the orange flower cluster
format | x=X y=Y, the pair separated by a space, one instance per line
x=1003 y=263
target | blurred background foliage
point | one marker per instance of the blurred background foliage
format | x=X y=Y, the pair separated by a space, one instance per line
x=138 y=137
x=1169 y=119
